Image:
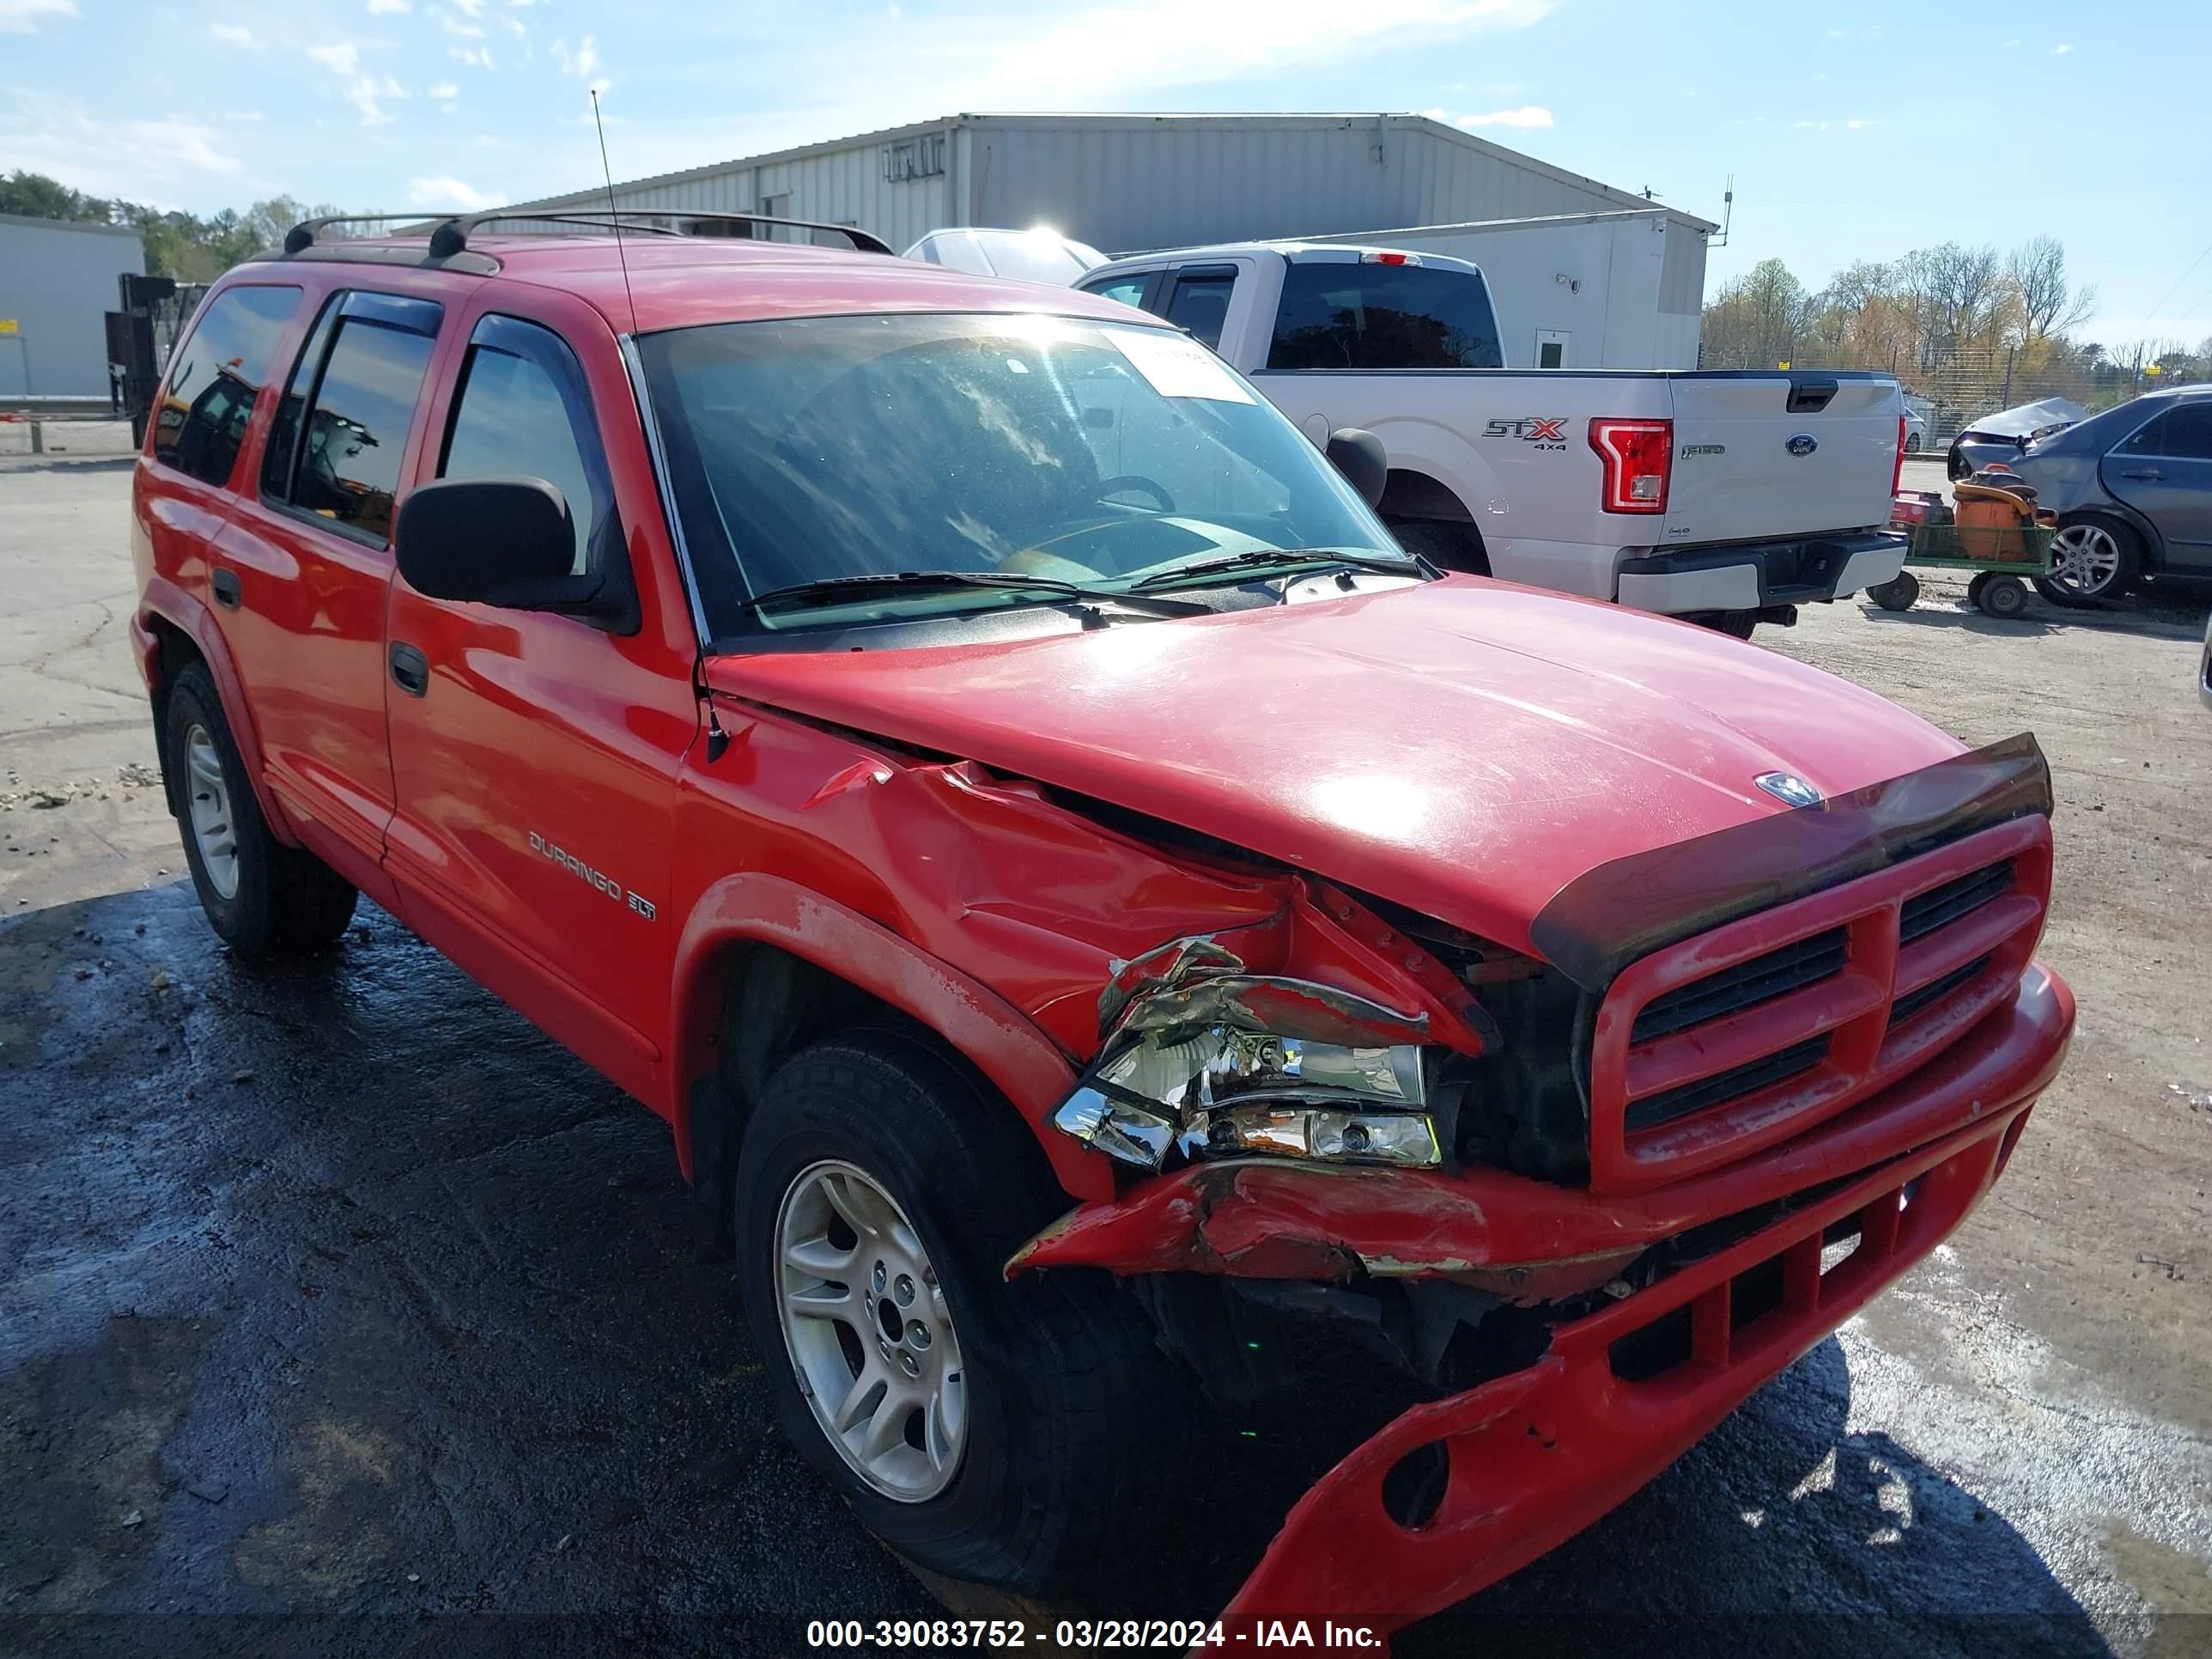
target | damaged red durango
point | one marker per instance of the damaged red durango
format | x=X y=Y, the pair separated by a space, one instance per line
x=1104 y=923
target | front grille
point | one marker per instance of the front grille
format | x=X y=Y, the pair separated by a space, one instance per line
x=1686 y=1076
x=1914 y=1002
x=1793 y=967
x=1668 y=1104
x=1941 y=905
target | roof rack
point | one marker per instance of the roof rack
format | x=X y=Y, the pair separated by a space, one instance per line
x=452 y=236
x=451 y=231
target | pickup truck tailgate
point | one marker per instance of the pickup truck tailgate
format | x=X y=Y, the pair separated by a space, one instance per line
x=1779 y=454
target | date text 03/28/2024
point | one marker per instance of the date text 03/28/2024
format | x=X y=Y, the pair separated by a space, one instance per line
x=1176 y=1635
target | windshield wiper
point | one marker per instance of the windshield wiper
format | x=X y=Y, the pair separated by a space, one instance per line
x=831 y=590
x=1270 y=558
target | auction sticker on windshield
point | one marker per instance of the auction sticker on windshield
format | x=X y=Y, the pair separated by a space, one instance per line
x=1178 y=367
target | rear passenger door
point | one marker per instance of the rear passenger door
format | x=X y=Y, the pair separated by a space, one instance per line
x=2164 y=471
x=307 y=561
x=535 y=753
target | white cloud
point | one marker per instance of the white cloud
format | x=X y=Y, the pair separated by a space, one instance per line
x=234 y=34
x=582 y=61
x=20 y=16
x=377 y=7
x=474 y=7
x=154 y=159
x=243 y=115
x=443 y=90
x=513 y=26
x=1528 y=115
x=340 y=58
x=367 y=93
x=2060 y=50
x=474 y=56
x=454 y=25
x=447 y=192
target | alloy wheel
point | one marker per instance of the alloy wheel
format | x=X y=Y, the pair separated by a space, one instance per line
x=215 y=832
x=2085 y=558
x=869 y=1333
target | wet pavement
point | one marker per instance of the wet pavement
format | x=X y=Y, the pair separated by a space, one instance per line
x=337 y=1293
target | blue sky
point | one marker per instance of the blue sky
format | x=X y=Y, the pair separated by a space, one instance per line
x=1852 y=131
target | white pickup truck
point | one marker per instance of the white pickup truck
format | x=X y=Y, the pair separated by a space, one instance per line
x=1725 y=497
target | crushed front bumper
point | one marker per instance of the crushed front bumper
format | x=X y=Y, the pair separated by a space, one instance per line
x=1536 y=1456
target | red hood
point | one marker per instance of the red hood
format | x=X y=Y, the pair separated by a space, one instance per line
x=1464 y=748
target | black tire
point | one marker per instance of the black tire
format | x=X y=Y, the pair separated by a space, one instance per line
x=1447 y=546
x=1897 y=594
x=2125 y=570
x=2003 y=597
x=1061 y=1368
x=285 y=900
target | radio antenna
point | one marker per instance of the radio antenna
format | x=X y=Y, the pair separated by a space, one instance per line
x=615 y=213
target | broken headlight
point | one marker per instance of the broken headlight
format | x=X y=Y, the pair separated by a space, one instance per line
x=1205 y=1062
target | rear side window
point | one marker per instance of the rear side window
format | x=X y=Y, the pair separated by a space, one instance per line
x=347 y=447
x=217 y=374
x=525 y=412
x=1341 y=315
x=2183 y=433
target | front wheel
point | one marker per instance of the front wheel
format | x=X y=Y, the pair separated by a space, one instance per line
x=980 y=1428
x=2093 y=559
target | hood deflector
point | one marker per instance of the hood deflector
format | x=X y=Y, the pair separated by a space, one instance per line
x=1606 y=918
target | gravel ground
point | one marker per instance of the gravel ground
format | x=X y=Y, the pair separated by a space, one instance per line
x=337 y=1298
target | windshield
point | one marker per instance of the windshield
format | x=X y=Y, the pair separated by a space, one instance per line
x=1100 y=453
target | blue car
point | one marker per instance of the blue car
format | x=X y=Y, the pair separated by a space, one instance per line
x=2133 y=490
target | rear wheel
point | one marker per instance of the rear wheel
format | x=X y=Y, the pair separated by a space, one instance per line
x=2094 y=559
x=262 y=897
x=1447 y=546
x=980 y=1427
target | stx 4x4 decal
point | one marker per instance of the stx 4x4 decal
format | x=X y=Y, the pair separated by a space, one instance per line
x=1536 y=430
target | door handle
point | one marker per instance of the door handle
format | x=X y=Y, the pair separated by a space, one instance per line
x=411 y=669
x=2144 y=477
x=226 y=589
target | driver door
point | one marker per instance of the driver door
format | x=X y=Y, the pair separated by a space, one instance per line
x=534 y=754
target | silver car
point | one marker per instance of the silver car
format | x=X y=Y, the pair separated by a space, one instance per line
x=2133 y=490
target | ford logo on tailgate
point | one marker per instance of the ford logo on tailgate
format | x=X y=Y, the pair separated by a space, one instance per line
x=1803 y=444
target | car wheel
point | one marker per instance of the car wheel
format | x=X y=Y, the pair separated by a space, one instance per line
x=262 y=897
x=2093 y=559
x=980 y=1427
x=1447 y=546
x=1898 y=593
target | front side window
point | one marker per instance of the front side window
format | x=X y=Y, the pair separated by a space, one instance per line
x=1368 y=315
x=1129 y=290
x=349 y=449
x=217 y=374
x=524 y=412
x=1074 y=450
x=1200 y=304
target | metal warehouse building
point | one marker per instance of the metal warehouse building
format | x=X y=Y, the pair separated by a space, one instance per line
x=57 y=286
x=1127 y=183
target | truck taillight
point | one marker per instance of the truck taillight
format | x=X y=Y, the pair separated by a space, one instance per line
x=1897 y=470
x=1639 y=456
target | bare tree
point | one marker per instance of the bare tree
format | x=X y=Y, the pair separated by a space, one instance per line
x=2049 y=303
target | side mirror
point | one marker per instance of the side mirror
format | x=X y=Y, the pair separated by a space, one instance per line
x=1360 y=457
x=498 y=541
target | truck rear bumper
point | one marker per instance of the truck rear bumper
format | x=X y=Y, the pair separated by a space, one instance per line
x=1810 y=570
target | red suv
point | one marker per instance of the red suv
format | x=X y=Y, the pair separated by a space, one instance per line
x=1108 y=931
